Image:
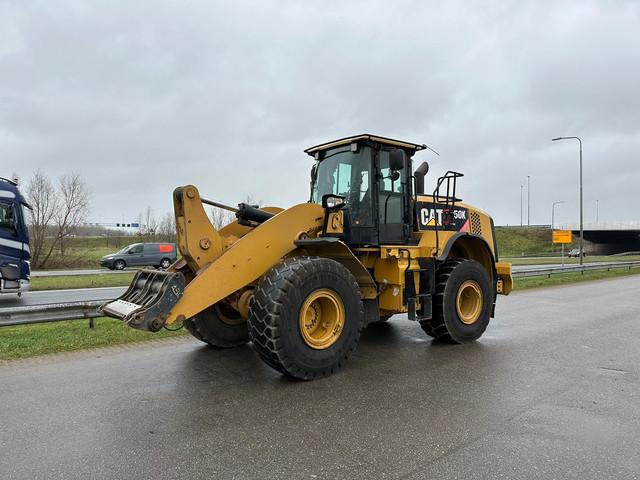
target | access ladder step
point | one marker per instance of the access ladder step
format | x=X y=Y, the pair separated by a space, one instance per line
x=425 y=312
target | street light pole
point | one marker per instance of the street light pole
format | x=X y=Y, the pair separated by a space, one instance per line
x=597 y=211
x=581 y=210
x=528 y=200
x=521 y=188
x=553 y=208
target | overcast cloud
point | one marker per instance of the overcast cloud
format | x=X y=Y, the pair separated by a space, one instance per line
x=139 y=97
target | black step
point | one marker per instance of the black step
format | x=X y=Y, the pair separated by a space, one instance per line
x=426 y=310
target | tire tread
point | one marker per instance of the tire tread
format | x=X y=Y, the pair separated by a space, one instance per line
x=268 y=302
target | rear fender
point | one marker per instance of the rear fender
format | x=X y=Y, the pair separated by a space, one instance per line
x=472 y=247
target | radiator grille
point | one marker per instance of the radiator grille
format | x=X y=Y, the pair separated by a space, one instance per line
x=476 y=226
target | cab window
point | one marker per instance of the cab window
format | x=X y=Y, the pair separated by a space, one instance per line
x=346 y=173
x=136 y=248
x=7 y=216
x=387 y=183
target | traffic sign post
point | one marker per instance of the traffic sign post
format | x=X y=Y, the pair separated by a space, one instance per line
x=563 y=237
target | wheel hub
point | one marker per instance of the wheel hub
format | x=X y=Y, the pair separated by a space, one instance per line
x=469 y=302
x=322 y=318
x=228 y=315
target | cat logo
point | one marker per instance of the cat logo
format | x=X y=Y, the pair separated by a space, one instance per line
x=432 y=216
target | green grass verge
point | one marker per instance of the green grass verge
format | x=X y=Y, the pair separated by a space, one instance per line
x=566 y=278
x=519 y=242
x=81 y=281
x=32 y=340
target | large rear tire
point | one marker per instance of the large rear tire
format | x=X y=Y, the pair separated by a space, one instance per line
x=220 y=326
x=462 y=303
x=306 y=317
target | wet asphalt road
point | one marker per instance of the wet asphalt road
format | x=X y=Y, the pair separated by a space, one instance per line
x=551 y=391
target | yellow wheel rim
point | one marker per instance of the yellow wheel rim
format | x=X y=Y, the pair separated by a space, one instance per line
x=469 y=302
x=322 y=318
x=228 y=315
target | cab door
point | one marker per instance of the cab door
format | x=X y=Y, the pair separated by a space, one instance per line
x=393 y=196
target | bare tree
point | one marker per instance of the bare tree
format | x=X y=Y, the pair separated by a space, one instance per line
x=221 y=218
x=56 y=215
x=73 y=206
x=249 y=200
x=44 y=201
x=150 y=221
x=167 y=228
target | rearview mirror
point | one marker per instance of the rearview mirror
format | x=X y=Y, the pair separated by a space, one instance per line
x=332 y=202
x=397 y=159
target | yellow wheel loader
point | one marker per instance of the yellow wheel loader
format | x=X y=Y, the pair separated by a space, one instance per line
x=301 y=283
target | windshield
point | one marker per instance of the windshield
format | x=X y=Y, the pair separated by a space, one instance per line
x=7 y=216
x=348 y=174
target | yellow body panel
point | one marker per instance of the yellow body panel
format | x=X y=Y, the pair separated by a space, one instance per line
x=198 y=242
x=250 y=251
x=505 y=278
x=247 y=259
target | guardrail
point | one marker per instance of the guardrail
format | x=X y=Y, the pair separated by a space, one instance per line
x=89 y=310
x=555 y=269
x=54 y=312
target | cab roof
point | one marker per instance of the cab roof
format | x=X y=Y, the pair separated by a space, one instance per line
x=414 y=147
x=9 y=189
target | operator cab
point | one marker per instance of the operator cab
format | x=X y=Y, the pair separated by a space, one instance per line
x=369 y=178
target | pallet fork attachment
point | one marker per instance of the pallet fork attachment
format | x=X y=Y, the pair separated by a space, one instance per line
x=148 y=300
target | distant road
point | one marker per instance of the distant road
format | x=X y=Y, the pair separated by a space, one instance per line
x=64 y=273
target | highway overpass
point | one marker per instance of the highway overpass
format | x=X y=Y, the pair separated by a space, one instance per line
x=607 y=238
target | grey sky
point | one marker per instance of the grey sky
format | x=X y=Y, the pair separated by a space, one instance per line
x=139 y=97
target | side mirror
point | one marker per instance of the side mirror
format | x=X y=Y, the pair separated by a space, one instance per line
x=314 y=172
x=397 y=159
x=332 y=202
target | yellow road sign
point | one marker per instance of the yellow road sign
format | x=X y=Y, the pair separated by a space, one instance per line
x=562 y=236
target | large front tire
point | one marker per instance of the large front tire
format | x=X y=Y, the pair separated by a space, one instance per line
x=219 y=326
x=306 y=317
x=462 y=304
